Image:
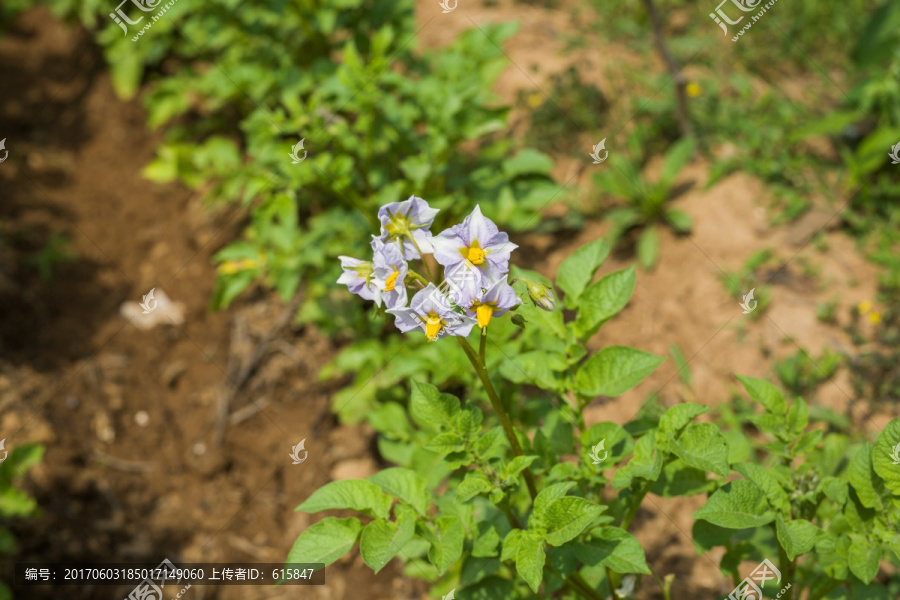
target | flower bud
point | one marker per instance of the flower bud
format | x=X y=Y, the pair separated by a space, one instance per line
x=540 y=294
x=519 y=321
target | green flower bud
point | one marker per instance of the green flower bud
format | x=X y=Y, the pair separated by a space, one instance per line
x=540 y=294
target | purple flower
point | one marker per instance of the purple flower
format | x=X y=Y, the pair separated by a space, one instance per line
x=408 y=223
x=476 y=243
x=358 y=277
x=496 y=300
x=430 y=312
x=390 y=274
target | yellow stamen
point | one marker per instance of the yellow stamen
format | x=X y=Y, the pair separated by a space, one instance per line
x=433 y=326
x=484 y=312
x=476 y=255
x=391 y=281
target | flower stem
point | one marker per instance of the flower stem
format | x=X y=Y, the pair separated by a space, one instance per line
x=422 y=258
x=481 y=371
x=482 y=345
x=415 y=276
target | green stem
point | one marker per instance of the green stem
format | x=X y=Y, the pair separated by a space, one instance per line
x=787 y=565
x=482 y=343
x=417 y=277
x=613 y=582
x=422 y=257
x=632 y=510
x=481 y=371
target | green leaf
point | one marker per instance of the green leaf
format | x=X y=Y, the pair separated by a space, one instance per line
x=679 y=220
x=549 y=495
x=676 y=418
x=530 y=560
x=887 y=446
x=676 y=158
x=565 y=518
x=646 y=462
x=381 y=540
x=797 y=536
x=446 y=540
x=863 y=558
x=617 y=549
x=511 y=544
x=528 y=161
x=765 y=393
x=648 y=247
x=602 y=300
x=432 y=409
x=512 y=469
x=737 y=505
x=703 y=446
x=862 y=477
x=445 y=443
x=767 y=482
x=325 y=541
x=677 y=479
x=405 y=485
x=576 y=271
x=356 y=494
x=798 y=417
x=474 y=484
x=126 y=72
x=485 y=545
x=614 y=370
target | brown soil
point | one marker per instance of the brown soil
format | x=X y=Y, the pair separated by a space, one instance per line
x=74 y=374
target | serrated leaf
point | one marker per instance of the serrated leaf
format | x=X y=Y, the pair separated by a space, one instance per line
x=325 y=541
x=550 y=494
x=355 y=494
x=614 y=370
x=737 y=505
x=511 y=544
x=445 y=443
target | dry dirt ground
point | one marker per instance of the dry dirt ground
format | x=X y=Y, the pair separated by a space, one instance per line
x=117 y=484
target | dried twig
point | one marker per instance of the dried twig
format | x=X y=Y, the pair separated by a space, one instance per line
x=130 y=466
x=684 y=121
x=237 y=374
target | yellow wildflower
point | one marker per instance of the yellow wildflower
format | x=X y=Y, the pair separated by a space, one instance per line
x=864 y=307
x=693 y=89
x=875 y=318
x=535 y=100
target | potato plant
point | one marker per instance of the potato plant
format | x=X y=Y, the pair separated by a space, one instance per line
x=501 y=490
